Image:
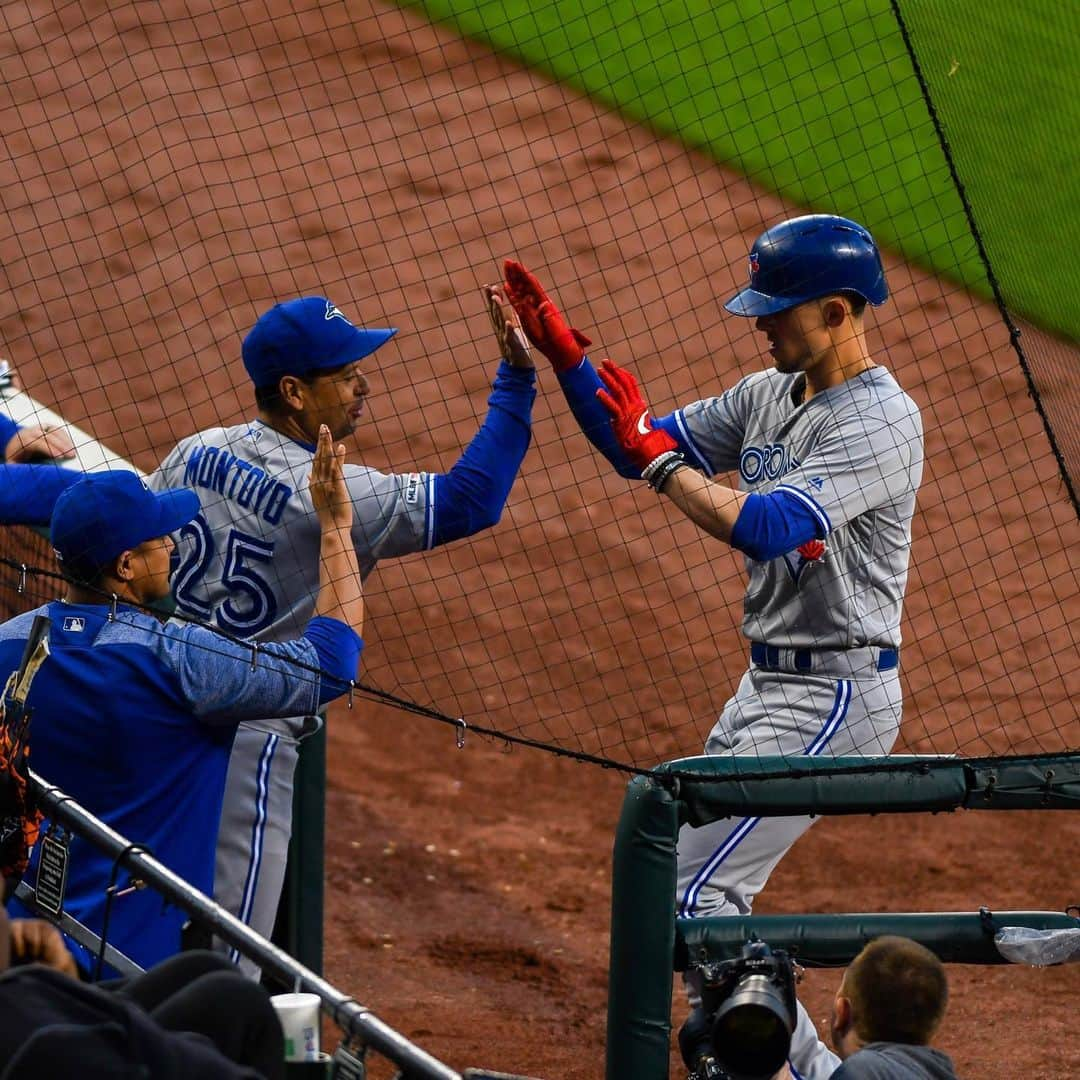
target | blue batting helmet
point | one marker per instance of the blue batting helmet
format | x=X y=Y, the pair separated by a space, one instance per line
x=808 y=257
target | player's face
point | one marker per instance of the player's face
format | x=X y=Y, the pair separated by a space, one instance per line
x=149 y=565
x=798 y=337
x=335 y=399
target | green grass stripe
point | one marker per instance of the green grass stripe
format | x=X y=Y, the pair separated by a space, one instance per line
x=817 y=100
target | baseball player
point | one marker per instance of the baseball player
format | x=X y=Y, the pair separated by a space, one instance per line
x=135 y=719
x=829 y=455
x=248 y=559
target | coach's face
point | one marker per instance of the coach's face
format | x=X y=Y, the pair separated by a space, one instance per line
x=334 y=398
x=145 y=569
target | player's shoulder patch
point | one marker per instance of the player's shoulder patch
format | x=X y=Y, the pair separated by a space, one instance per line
x=413 y=483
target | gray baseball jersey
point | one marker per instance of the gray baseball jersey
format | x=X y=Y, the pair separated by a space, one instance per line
x=854 y=454
x=249 y=563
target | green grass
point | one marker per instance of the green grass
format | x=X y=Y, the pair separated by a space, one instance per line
x=817 y=99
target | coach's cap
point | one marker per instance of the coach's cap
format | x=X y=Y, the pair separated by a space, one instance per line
x=107 y=513
x=305 y=336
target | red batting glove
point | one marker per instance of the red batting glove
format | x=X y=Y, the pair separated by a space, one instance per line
x=541 y=320
x=812 y=550
x=641 y=442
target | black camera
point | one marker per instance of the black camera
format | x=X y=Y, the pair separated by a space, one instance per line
x=742 y=1029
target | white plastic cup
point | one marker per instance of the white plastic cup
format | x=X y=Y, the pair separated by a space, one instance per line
x=299 y=1016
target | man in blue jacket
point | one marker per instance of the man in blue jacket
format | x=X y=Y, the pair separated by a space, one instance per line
x=136 y=719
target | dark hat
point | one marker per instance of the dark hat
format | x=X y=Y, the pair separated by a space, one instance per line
x=107 y=513
x=304 y=336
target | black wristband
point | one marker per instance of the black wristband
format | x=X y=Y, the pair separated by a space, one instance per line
x=659 y=471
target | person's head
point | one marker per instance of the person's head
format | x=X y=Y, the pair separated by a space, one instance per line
x=894 y=991
x=110 y=533
x=303 y=358
x=810 y=281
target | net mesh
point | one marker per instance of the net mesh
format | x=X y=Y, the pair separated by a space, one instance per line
x=173 y=170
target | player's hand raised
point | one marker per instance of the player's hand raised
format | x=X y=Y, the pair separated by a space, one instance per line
x=326 y=483
x=542 y=321
x=630 y=423
x=513 y=345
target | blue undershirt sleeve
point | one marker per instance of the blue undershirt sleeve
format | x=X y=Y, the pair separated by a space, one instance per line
x=771 y=525
x=580 y=384
x=338 y=647
x=471 y=496
x=8 y=427
x=29 y=492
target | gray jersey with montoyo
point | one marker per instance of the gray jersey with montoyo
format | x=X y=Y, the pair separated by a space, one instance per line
x=249 y=563
x=854 y=455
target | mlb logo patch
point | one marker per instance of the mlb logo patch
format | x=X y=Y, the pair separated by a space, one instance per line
x=75 y=624
x=412 y=488
x=754 y=265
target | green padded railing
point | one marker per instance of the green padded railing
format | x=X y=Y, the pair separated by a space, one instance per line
x=704 y=789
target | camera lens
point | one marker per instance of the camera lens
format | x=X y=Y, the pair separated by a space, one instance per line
x=751 y=1034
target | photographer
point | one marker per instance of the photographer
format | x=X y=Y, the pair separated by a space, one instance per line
x=742 y=1030
x=889 y=1006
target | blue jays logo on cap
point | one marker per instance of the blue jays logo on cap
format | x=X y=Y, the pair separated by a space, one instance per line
x=303 y=337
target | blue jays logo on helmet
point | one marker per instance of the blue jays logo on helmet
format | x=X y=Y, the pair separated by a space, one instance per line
x=809 y=257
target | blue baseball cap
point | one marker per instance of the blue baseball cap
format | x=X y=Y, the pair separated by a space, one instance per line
x=107 y=513
x=305 y=336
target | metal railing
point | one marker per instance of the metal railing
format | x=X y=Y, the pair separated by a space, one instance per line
x=359 y=1024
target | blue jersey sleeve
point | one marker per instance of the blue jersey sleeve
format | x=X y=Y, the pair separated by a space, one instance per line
x=338 y=647
x=8 y=427
x=471 y=496
x=220 y=684
x=29 y=492
x=579 y=385
x=771 y=525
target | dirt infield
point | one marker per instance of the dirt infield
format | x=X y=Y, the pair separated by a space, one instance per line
x=369 y=156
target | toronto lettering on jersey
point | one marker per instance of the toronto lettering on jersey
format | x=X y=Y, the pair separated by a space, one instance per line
x=219 y=470
x=768 y=462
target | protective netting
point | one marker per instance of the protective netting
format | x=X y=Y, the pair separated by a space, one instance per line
x=173 y=170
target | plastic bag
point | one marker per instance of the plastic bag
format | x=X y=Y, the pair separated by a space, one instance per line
x=1025 y=945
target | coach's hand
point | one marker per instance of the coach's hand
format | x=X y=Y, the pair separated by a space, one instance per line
x=630 y=423
x=30 y=445
x=541 y=319
x=329 y=495
x=513 y=345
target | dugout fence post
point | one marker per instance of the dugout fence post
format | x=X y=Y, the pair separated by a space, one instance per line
x=642 y=932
